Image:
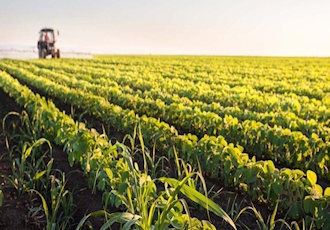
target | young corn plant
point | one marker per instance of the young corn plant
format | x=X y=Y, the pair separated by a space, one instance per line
x=304 y=225
x=29 y=153
x=22 y=127
x=26 y=172
x=184 y=173
x=58 y=208
x=10 y=131
x=137 y=148
x=271 y=221
x=233 y=207
x=148 y=208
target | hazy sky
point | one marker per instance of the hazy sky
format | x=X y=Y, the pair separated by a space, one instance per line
x=215 y=27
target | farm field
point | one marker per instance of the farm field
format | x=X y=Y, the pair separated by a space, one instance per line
x=151 y=135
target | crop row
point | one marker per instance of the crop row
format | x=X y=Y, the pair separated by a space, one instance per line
x=302 y=77
x=247 y=77
x=281 y=145
x=293 y=189
x=241 y=97
x=108 y=166
x=283 y=119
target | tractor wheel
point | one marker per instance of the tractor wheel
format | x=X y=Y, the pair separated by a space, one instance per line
x=58 y=54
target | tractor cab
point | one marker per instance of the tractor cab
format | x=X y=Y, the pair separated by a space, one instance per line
x=46 y=44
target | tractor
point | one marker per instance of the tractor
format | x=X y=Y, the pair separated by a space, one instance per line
x=46 y=43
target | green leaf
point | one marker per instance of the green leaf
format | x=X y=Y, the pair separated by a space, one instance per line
x=277 y=187
x=272 y=221
x=298 y=173
x=109 y=173
x=311 y=177
x=1 y=198
x=125 y=176
x=327 y=191
x=34 y=145
x=317 y=191
x=124 y=217
x=308 y=204
x=122 y=188
x=117 y=202
x=44 y=203
x=71 y=158
x=252 y=178
x=178 y=222
x=227 y=166
x=144 y=178
x=200 y=199
x=270 y=166
x=207 y=225
x=39 y=175
x=178 y=207
x=294 y=210
x=128 y=224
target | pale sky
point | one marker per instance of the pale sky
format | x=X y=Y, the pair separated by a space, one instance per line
x=205 y=27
